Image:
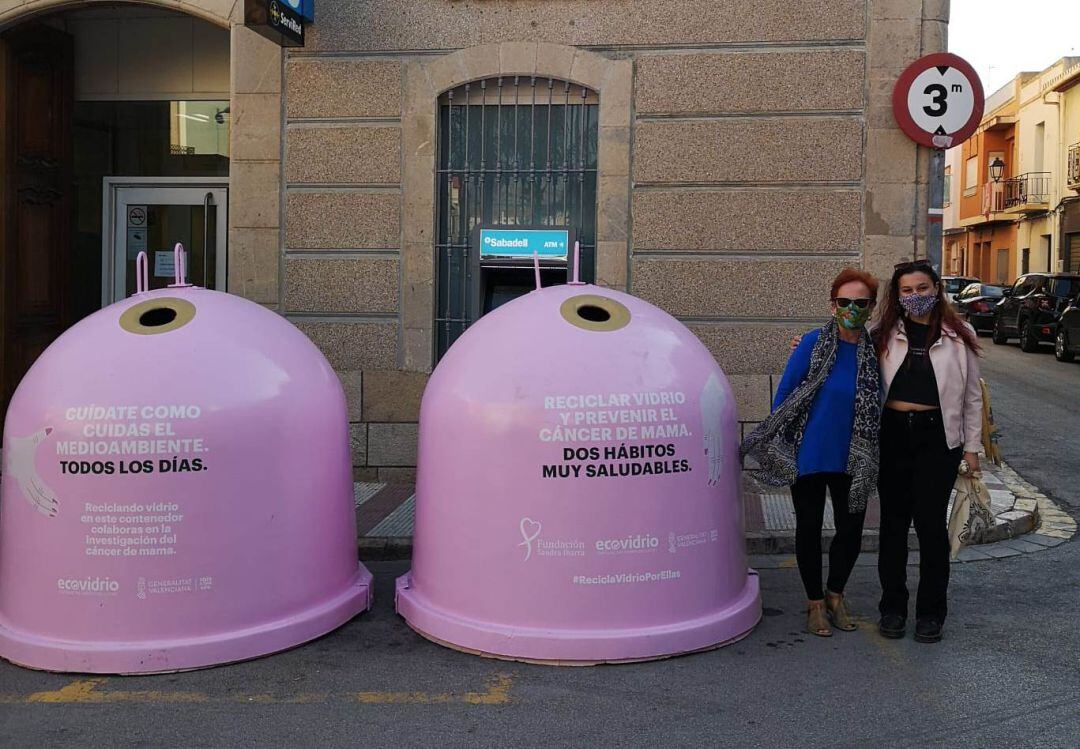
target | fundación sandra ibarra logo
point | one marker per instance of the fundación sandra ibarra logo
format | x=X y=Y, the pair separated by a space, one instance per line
x=531 y=541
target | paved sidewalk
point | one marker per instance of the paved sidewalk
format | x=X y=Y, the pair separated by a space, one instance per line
x=385 y=513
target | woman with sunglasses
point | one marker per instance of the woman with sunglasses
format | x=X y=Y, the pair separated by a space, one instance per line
x=823 y=433
x=932 y=419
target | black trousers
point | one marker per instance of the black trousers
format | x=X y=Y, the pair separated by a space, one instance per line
x=917 y=474
x=808 y=496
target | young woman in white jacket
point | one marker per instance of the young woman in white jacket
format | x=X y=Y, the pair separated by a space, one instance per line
x=931 y=420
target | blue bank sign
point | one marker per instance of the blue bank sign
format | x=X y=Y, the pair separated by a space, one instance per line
x=303 y=8
x=522 y=243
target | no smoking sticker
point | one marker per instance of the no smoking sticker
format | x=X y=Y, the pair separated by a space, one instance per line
x=136 y=216
x=938 y=100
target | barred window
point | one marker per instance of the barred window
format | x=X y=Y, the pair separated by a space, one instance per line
x=512 y=151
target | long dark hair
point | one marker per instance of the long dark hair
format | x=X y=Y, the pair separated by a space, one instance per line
x=890 y=311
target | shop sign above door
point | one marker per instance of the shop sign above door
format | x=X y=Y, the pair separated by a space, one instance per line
x=277 y=20
x=938 y=100
x=521 y=243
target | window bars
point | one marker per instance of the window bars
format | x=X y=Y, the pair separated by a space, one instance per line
x=512 y=151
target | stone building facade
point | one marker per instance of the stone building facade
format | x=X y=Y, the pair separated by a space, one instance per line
x=746 y=151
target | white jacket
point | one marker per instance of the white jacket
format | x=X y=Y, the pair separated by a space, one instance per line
x=956 y=368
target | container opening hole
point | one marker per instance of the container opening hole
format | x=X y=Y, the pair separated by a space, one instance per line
x=592 y=313
x=156 y=317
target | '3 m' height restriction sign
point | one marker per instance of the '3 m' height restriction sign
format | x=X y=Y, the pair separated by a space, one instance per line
x=938 y=100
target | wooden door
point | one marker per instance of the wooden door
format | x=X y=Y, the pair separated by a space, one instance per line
x=36 y=200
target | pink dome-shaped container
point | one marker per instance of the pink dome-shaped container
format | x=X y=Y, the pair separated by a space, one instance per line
x=177 y=491
x=578 y=490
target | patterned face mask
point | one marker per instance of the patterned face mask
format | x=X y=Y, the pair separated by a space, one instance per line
x=852 y=317
x=918 y=305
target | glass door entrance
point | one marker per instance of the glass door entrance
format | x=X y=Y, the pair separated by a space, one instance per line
x=152 y=215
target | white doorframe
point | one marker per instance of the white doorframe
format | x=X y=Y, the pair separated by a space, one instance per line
x=119 y=192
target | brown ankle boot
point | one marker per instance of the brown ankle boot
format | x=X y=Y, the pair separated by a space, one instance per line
x=816 y=623
x=838 y=611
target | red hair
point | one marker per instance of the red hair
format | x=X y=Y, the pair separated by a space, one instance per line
x=847 y=275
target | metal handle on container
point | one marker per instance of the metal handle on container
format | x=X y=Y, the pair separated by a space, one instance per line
x=208 y=200
x=179 y=271
x=142 y=273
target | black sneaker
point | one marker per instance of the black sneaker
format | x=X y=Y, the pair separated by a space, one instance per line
x=927 y=629
x=892 y=626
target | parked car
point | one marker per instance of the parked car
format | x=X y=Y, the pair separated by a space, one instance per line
x=1067 y=340
x=1031 y=308
x=955 y=284
x=977 y=302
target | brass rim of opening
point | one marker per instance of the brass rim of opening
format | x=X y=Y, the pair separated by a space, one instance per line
x=132 y=319
x=618 y=316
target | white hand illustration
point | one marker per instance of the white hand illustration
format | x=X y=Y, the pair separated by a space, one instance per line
x=712 y=408
x=19 y=465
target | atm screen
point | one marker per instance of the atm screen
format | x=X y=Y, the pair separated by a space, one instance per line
x=504 y=284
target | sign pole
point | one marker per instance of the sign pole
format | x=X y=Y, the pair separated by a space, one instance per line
x=935 y=209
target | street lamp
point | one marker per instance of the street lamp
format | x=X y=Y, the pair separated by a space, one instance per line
x=997 y=168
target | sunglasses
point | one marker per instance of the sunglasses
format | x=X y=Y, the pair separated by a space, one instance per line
x=843 y=301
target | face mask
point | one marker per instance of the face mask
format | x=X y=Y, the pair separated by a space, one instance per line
x=918 y=305
x=852 y=317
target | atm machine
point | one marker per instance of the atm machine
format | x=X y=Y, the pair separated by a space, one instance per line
x=502 y=263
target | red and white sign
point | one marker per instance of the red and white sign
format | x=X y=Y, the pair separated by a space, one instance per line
x=938 y=100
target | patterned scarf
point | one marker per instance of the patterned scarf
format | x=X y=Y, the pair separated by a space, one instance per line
x=775 y=442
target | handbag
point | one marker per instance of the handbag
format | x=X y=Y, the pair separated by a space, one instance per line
x=971 y=512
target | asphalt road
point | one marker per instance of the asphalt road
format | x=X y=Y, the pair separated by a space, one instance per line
x=1036 y=403
x=1007 y=674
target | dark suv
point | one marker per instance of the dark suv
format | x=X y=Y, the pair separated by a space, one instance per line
x=1067 y=344
x=1031 y=308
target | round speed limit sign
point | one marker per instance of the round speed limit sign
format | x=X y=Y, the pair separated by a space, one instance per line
x=938 y=100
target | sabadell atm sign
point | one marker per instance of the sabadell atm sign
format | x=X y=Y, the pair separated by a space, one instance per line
x=522 y=243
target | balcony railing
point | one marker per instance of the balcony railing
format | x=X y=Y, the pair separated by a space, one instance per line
x=1074 y=166
x=1031 y=189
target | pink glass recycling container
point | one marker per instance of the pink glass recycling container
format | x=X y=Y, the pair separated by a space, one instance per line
x=177 y=491
x=578 y=488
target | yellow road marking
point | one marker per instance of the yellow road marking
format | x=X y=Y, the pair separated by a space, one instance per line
x=402 y=698
x=87 y=691
x=891 y=648
x=497 y=693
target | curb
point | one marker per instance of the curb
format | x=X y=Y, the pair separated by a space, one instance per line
x=1024 y=517
x=1032 y=511
x=1049 y=519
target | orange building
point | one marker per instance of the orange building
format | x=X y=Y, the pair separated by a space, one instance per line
x=987 y=248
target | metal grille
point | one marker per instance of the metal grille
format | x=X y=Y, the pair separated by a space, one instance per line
x=512 y=151
x=1033 y=187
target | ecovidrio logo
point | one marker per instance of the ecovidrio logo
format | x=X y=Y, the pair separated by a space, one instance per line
x=86 y=585
x=629 y=544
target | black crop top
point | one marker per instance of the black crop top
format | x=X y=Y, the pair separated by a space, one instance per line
x=915 y=381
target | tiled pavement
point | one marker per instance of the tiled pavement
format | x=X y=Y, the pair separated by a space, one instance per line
x=385 y=519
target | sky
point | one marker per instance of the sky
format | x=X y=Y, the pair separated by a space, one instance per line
x=1001 y=38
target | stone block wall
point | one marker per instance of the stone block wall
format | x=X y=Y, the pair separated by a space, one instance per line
x=745 y=157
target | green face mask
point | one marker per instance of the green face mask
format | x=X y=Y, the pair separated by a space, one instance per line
x=852 y=317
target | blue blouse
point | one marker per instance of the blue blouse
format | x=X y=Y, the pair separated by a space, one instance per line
x=825 y=443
